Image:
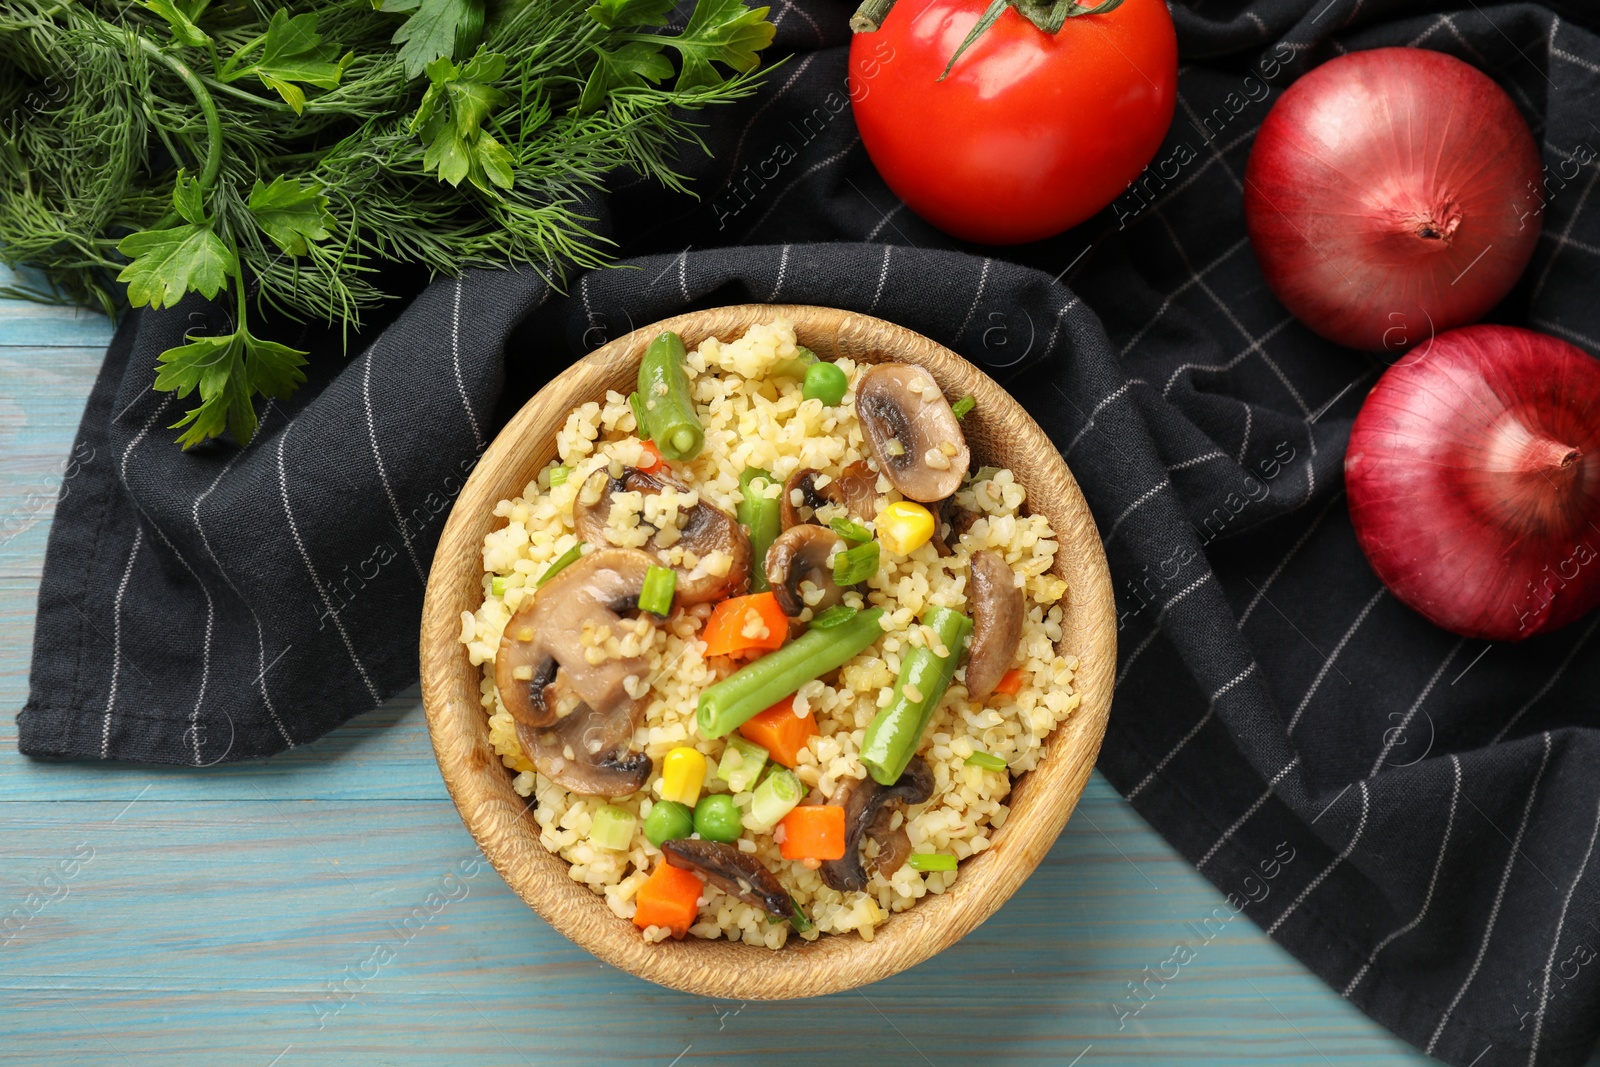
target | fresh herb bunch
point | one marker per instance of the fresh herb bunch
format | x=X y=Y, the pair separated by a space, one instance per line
x=281 y=155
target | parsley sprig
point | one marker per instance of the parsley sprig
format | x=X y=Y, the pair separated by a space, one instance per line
x=277 y=157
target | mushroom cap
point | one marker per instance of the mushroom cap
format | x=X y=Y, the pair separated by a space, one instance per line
x=587 y=751
x=736 y=873
x=704 y=529
x=549 y=629
x=856 y=488
x=801 y=554
x=864 y=799
x=900 y=402
x=997 y=611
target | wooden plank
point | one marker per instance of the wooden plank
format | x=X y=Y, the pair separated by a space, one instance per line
x=29 y=324
x=242 y=928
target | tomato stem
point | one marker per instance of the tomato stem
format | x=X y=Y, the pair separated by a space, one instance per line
x=870 y=15
x=1047 y=15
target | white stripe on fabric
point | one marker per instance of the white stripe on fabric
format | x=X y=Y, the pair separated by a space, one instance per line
x=1261 y=593
x=783 y=268
x=1151 y=636
x=261 y=636
x=983 y=283
x=1195 y=121
x=1050 y=345
x=377 y=458
x=1218 y=368
x=808 y=172
x=1327 y=664
x=1251 y=810
x=738 y=148
x=1433 y=883
x=1166 y=301
x=1088 y=425
x=1392 y=734
x=1211 y=709
x=1196 y=461
x=305 y=557
x=1135 y=506
x=872 y=234
x=1555 y=942
x=1499 y=898
x=116 y=642
x=1249 y=421
x=1549 y=682
x=1361 y=825
x=883 y=276
x=455 y=359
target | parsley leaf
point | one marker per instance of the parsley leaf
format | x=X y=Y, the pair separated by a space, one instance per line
x=227 y=371
x=628 y=67
x=168 y=263
x=292 y=215
x=721 y=31
x=614 y=13
x=450 y=122
x=436 y=29
x=178 y=19
x=291 y=51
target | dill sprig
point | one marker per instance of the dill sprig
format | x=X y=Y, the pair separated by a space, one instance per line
x=281 y=156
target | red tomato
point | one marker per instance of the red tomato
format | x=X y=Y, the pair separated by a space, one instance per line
x=1030 y=133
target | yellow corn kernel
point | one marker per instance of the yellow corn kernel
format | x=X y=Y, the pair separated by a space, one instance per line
x=683 y=772
x=904 y=527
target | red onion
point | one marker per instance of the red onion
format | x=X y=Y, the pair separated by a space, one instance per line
x=1392 y=194
x=1474 y=481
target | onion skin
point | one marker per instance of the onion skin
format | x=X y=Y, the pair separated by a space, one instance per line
x=1392 y=194
x=1474 y=480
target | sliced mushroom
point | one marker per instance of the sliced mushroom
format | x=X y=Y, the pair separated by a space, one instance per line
x=997 y=609
x=800 y=554
x=856 y=489
x=894 y=845
x=703 y=530
x=586 y=752
x=911 y=431
x=548 y=631
x=864 y=799
x=736 y=873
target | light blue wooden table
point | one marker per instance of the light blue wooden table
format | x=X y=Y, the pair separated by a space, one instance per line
x=233 y=916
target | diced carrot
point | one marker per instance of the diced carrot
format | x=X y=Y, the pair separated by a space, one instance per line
x=1010 y=682
x=742 y=623
x=813 y=832
x=780 y=731
x=669 y=897
x=650 y=456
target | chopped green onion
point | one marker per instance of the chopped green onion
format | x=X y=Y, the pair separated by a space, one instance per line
x=761 y=519
x=987 y=761
x=613 y=828
x=853 y=532
x=837 y=615
x=776 y=796
x=931 y=861
x=559 y=475
x=497 y=586
x=567 y=559
x=636 y=402
x=798 y=919
x=856 y=564
x=742 y=763
x=655 y=595
x=758 y=685
x=962 y=407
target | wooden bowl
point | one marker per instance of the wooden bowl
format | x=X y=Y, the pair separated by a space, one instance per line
x=1001 y=434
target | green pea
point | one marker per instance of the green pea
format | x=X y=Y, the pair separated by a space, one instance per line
x=668 y=821
x=825 y=382
x=716 y=818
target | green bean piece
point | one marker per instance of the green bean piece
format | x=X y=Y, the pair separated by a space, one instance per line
x=837 y=615
x=895 y=732
x=796 y=365
x=655 y=596
x=762 y=520
x=931 y=861
x=756 y=686
x=963 y=407
x=667 y=409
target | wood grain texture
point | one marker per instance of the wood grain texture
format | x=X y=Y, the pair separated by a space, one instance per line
x=206 y=931
x=1000 y=433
